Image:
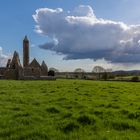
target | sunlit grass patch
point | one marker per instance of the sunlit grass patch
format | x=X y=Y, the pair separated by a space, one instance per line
x=69 y=109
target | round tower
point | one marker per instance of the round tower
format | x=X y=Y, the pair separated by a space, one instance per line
x=25 y=52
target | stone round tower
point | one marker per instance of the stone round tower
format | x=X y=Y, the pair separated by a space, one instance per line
x=25 y=52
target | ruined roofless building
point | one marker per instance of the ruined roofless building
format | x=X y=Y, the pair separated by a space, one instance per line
x=30 y=70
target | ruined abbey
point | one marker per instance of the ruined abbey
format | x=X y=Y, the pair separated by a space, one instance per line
x=27 y=71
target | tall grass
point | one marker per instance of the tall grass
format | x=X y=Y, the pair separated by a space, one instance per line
x=69 y=110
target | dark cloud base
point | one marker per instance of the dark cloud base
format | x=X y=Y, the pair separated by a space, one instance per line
x=80 y=35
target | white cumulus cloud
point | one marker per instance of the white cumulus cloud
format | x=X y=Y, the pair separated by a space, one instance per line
x=3 y=58
x=79 y=34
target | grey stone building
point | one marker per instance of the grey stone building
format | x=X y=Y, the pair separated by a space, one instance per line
x=14 y=69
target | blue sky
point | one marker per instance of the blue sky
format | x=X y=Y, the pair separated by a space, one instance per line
x=16 y=21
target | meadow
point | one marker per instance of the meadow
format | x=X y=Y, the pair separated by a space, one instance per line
x=69 y=110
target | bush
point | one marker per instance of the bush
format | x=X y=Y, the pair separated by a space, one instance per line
x=105 y=76
x=111 y=76
x=135 y=79
x=51 y=73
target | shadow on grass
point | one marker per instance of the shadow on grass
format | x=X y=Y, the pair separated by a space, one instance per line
x=22 y=114
x=134 y=115
x=122 y=126
x=68 y=115
x=52 y=110
x=110 y=105
x=2 y=92
x=85 y=120
x=71 y=126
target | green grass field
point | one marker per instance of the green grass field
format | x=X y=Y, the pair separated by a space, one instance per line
x=69 y=110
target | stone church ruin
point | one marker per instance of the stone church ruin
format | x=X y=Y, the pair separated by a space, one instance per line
x=29 y=71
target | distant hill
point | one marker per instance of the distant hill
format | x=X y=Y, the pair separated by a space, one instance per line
x=131 y=72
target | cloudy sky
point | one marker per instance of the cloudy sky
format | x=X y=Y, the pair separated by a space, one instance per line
x=72 y=34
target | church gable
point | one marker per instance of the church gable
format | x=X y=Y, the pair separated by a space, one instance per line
x=34 y=63
x=44 y=66
x=44 y=69
x=15 y=63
